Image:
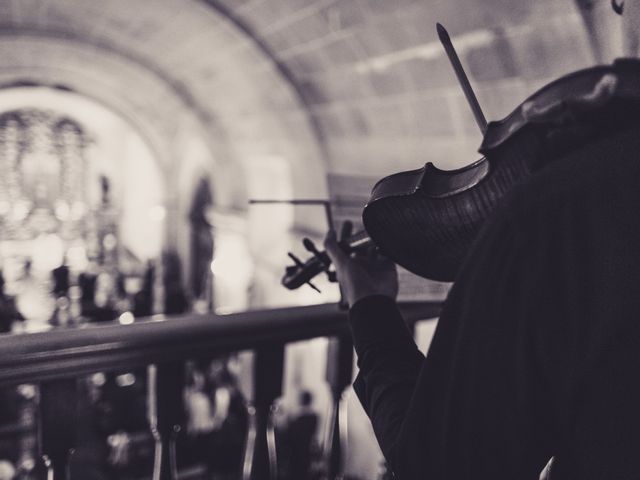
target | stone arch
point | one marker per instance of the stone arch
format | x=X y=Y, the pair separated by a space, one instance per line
x=208 y=98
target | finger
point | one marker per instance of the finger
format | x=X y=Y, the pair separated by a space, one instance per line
x=336 y=254
x=346 y=230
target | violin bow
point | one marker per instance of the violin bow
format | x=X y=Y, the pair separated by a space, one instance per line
x=445 y=39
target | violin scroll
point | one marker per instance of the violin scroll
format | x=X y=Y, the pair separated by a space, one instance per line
x=301 y=273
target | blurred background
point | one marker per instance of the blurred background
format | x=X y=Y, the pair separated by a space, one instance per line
x=134 y=134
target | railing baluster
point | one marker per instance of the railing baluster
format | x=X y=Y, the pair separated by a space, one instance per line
x=45 y=357
x=58 y=410
x=166 y=415
x=339 y=376
x=260 y=461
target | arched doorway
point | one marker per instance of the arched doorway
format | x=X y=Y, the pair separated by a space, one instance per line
x=80 y=186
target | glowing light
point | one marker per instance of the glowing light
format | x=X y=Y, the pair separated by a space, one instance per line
x=27 y=391
x=6 y=469
x=77 y=257
x=62 y=210
x=77 y=211
x=20 y=210
x=125 y=380
x=48 y=252
x=157 y=213
x=98 y=379
x=126 y=318
x=109 y=241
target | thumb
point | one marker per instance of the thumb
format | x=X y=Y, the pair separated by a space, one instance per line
x=336 y=254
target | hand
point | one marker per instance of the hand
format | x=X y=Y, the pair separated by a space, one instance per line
x=362 y=275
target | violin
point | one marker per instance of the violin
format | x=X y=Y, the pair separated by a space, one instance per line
x=427 y=219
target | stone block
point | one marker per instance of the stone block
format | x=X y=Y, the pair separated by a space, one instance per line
x=430 y=73
x=343 y=86
x=550 y=50
x=491 y=62
x=329 y=123
x=257 y=14
x=311 y=94
x=307 y=29
x=359 y=123
x=342 y=51
x=391 y=81
x=278 y=40
x=341 y=122
x=461 y=16
x=429 y=117
x=372 y=41
x=387 y=120
x=234 y=5
x=385 y=7
x=355 y=122
x=345 y=14
x=308 y=62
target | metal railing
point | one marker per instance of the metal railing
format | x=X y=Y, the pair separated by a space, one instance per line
x=53 y=360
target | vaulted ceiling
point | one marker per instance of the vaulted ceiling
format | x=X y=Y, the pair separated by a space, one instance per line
x=342 y=89
x=375 y=79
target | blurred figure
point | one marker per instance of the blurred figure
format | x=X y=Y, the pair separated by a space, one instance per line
x=87 y=283
x=103 y=306
x=226 y=446
x=201 y=242
x=175 y=298
x=34 y=300
x=300 y=433
x=143 y=299
x=216 y=420
x=60 y=277
x=8 y=311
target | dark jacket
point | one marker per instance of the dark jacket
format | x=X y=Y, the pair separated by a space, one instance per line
x=537 y=351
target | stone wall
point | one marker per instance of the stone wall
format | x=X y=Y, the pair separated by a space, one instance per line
x=375 y=78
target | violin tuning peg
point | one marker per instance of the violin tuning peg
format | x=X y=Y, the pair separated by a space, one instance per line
x=295 y=259
x=314 y=287
x=310 y=246
x=291 y=269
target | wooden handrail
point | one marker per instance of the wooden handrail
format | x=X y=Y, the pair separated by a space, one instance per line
x=37 y=357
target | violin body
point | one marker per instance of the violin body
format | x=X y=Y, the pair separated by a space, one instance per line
x=426 y=220
x=428 y=227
